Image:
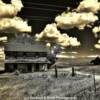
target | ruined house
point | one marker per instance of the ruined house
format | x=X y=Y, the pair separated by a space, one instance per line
x=23 y=53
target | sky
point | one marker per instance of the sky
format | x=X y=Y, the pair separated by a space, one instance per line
x=42 y=12
x=32 y=11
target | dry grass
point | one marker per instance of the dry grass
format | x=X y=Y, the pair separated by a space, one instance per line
x=45 y=84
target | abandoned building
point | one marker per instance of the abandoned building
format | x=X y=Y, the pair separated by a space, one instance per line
x=26 y=55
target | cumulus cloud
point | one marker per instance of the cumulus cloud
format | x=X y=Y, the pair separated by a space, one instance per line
x=89 y=6
x=92 y=6
x=83 y=16
x=3 y=39
x=10 y=10
x=14 y=25
x=97 y=45
x=2 y=54
x=48 y=45
x=74 y=19
x=95 y=30
x=8 y=22
x=49 y=32
x=52 y=35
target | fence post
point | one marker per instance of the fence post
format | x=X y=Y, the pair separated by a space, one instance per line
x=56 y=71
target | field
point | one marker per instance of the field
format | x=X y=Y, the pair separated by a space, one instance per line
x=45 y=84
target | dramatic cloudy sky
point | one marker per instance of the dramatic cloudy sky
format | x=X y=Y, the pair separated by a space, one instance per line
x=43 y=12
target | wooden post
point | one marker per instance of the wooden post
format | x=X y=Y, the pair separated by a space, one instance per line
x=56 y=71
x=73 y=72
x=94 y=82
